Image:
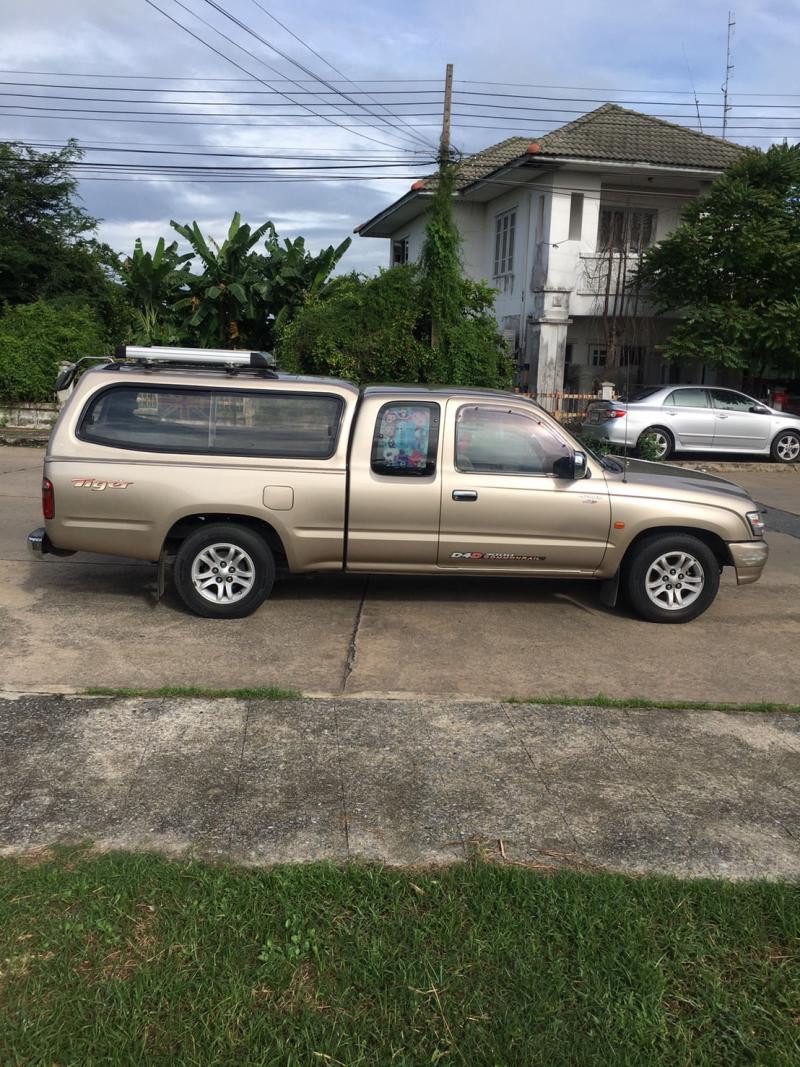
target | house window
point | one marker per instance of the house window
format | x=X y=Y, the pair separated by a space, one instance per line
x=629 y=356
x=400 y=252
x=504 y=226
x=575 y=216
x=625 y=229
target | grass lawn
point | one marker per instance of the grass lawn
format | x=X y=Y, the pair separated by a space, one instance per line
x=129 y=959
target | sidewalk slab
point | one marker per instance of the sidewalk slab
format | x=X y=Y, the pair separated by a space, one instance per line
x=690 y=793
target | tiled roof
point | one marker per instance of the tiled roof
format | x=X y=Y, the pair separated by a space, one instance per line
x=610 y=132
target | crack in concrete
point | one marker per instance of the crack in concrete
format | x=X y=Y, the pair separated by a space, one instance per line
x=352 y=648
x=235 y=797
x=342 y=787
x=544 y=782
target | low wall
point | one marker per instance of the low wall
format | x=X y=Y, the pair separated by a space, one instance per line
x=28 y=416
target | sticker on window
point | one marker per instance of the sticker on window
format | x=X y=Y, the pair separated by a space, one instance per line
x=405 y=439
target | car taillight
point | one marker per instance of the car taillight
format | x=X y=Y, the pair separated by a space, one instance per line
x=48 y=499
x=615 y=413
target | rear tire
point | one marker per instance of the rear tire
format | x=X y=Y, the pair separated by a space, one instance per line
x=664 y=441
x=671 y=577
x=786 y=447
x=224 y=571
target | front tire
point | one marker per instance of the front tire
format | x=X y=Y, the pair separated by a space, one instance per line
x=664 y=442
x=786 y=447
x=671 y=578
x=224 y=571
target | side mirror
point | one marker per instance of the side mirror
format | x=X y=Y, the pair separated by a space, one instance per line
x=571 y=467
x=759 y=409
x=66 y=372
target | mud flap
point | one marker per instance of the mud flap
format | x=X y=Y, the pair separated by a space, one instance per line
x=609 y=591
x=161 y=578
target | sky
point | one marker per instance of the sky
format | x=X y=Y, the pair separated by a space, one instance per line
x=389 y=59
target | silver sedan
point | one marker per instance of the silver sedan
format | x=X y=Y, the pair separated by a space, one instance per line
x=695 y=418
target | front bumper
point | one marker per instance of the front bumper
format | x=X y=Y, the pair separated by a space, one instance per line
x=39 y=544
x=748 y=558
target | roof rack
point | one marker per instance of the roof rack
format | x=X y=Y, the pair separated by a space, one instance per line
x=230 y=360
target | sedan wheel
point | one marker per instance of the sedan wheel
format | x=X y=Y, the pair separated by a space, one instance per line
x=786 y=447
x=661 y=440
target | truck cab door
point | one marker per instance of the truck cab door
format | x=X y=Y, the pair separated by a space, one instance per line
x=394 y=485
x=503 y=508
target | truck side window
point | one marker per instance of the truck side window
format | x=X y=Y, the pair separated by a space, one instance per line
x=491 y=440
x=228 y=422
x=405 y=440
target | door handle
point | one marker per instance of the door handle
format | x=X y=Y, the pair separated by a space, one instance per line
x=465 y=494
x=722 y=416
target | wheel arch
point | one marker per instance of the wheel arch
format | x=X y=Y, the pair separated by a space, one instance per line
x=713 y=540
x=187 y=524
x=793 y=430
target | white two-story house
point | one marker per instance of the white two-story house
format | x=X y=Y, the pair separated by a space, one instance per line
x=556 y=224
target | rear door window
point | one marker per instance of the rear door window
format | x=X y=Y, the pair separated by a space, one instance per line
x=406 y=439
x=688 y=398
x=231 y=422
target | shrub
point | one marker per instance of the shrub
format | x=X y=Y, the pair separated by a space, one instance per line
x=35 y=338
x=377 y=329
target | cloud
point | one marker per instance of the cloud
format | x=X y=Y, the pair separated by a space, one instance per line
x=628 y=45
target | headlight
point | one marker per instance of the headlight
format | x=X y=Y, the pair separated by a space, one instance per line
x=756 y=523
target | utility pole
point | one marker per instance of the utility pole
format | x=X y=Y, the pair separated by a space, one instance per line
x=444 y=144
x=726 y=107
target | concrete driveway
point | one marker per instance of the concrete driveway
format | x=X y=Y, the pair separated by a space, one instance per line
x=693 y=794
x=92 y=621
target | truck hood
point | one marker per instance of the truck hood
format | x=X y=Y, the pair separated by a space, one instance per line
x=663 y=477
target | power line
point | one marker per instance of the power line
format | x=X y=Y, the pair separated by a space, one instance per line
x=327 y=63
x=244 y=70
x=296 y=63
x=80 y=113
x=398 y=103
x=434 y=81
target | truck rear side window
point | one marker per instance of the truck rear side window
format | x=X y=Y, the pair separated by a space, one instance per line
x=214 y=421
x=406 y=439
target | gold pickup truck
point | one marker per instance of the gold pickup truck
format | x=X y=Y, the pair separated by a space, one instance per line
x=236 y=469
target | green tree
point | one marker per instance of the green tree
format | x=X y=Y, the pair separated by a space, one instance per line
x=47 y=245
x=733 y=268
x=35 y=338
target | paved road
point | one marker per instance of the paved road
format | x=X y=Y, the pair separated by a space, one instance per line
x=92 y=621
x=687 y=793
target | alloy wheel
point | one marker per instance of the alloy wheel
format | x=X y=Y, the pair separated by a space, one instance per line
x=223 y=573
x=674 y=580
x=788 y=448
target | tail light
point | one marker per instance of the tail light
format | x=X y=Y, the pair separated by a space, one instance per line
x=48 y=499
x=615 y=413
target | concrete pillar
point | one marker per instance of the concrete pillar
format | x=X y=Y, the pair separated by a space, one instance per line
x=548 y=342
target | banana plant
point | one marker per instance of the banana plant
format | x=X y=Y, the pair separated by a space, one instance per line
x=292 y=275
x=225 y=305
x=153 y=282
